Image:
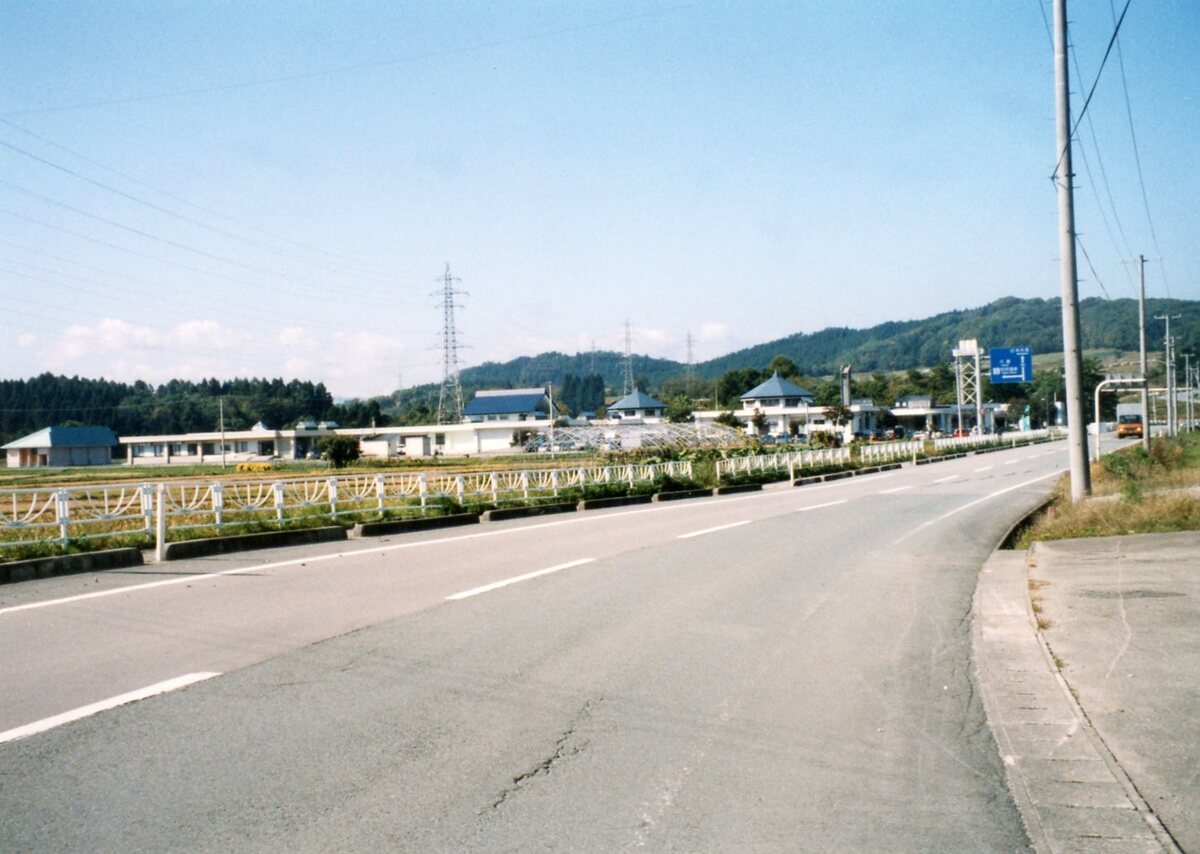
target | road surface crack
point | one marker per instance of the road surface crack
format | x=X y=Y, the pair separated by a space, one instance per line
x=565 y=746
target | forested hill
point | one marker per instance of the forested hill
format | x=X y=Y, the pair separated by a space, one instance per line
x=894 y=346
x=175 y=407
x=1105 y=324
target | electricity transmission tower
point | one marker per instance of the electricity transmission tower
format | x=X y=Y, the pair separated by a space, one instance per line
x=691 y=368
x=627 y=379
x=450 y=397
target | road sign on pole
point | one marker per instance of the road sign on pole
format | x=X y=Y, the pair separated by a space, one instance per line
x=1011 y=364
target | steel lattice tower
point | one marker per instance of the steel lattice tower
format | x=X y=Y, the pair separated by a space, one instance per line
x=450 y=397
x=627 y=379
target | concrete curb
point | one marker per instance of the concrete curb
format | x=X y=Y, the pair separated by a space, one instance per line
x=735 y=489
x=805 y=481
x=1068 y=787
x=837 y=475
x=48 y=567
x=682 y=495
x=617 y=501
x=502 y=513
x=250 y=542
x=402 y=526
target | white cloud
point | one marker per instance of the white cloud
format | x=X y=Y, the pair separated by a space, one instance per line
x=26 y=340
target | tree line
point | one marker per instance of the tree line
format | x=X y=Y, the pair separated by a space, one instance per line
x=178 y=406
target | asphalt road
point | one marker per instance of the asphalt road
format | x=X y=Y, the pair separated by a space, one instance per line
x=786 y=670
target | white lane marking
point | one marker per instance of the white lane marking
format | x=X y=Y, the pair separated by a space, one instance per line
x=971 y=504
x=103 y=706
x=713 y=530
x=985 y=468
x=819 y=506
x=496 y=585
x=304 y=561
x=1011 y=462
x=894 y=489
x=944 y=479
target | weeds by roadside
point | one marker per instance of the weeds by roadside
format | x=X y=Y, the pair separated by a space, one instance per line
x=1133 y=492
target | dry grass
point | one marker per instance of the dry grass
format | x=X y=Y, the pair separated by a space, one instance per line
x=1133 y=493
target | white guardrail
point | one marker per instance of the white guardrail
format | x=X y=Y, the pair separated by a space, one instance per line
x=59 y=515
x=888 y=452
x=790 y=460
x=992 y=441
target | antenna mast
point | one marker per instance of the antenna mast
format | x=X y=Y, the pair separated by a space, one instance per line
x=450 y=397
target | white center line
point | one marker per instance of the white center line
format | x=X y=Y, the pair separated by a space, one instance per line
x=944 y=479
x=487 y=588
x=819 y=506
x=895 y=489
x=713 y=530
x=985 y=468
x=1011 y=462
x=103 y=706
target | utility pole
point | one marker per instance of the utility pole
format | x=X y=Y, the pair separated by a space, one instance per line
x=450 y=396
x=1187 y=390
x=1169 y=353
x=1081 y=476
x=1142 y=344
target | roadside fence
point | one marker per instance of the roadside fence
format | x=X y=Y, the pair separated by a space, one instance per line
x=791 y=461
x=80 y=513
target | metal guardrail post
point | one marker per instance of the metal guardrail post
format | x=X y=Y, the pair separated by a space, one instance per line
x=277 y=489
x=333 y=497
x=160 y=523
x=62 y=514
x=218 y=503
x=380 y=491
x=423 y=488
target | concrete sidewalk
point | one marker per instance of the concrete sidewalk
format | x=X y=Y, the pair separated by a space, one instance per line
x=1095 y=711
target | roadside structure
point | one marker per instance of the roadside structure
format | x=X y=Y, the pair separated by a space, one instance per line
x=518 y=404
x=62 y=446
x=638 y=404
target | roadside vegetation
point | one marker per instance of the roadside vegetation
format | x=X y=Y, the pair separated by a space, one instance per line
x=1133 y=492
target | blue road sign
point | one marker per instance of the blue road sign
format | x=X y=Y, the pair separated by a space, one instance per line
x=1011 y=364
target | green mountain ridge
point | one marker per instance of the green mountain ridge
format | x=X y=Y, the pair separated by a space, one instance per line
x=890 y=346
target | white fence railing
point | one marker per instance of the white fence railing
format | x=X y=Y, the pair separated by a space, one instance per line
x=90 y=512
x=1004 y=440
x=889 y=452
x=791 y=461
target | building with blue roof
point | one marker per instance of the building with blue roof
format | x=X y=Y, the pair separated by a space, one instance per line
x=62 y=446
x=777 y=392
x=637 y=404
x=517 y=404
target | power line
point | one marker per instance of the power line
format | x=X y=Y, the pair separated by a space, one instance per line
x=1137 y=159
x=345 y=69
x=152 y=205
x=334 y=256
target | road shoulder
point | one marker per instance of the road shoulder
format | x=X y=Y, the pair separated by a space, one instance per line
x=1072 y=794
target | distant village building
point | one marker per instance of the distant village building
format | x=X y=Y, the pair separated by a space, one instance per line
x=62 y=446
x=637 y=404
x=517 y=404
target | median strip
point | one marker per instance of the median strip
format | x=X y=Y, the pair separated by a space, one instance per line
x=487 y=588
x=103 y=706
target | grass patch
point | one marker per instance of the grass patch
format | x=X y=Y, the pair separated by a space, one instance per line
x=1133 y=492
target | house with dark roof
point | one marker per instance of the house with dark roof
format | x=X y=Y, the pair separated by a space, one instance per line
x=776 y=392
x=637 y=404
x=515 y=404
x=62 y=446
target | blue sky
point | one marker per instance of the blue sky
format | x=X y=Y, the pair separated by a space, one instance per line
x=302 y=172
